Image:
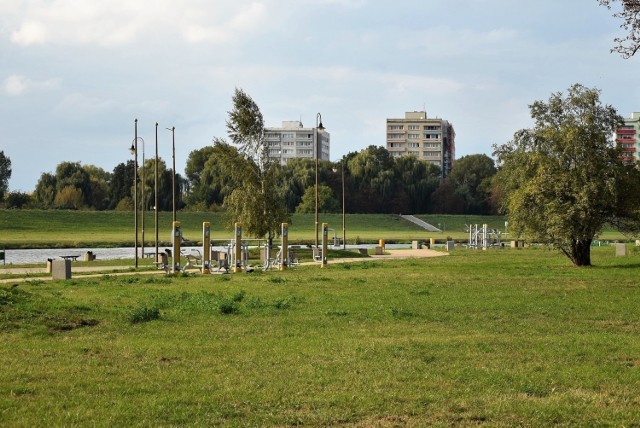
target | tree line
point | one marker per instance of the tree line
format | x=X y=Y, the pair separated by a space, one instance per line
x=89 y=187
x=374 y=182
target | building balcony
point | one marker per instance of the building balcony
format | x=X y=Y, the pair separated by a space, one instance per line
x=628 y=149
x=626 y=131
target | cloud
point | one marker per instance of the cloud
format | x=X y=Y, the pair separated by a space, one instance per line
x=30 y=32
x=242 y=21
x=81 y=105
x=120 y=22
x=16 y=85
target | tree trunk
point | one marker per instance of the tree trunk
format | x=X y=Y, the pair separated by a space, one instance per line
x=581 y=252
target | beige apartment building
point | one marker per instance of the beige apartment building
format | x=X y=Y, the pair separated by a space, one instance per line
x=429 y=139
x=293 y=140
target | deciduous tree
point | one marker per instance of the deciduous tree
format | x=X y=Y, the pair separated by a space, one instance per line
x=471 y=177
x=5 y=173
x=257 y=201
x=563 y=179
x=629 y=13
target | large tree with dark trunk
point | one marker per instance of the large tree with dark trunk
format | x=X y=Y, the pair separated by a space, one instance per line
x=563 y=179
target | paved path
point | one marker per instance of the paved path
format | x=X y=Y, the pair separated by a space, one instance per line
x=26 y=273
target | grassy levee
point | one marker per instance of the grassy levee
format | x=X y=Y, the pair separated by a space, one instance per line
x=496 y=338
x=58 y=228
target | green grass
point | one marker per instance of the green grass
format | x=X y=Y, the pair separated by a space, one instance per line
x=496 y=338
x=57 y=228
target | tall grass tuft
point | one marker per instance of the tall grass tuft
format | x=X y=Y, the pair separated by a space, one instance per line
x=143 y=314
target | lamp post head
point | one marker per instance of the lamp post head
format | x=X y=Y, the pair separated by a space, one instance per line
x=319 y=122
x=132 y=149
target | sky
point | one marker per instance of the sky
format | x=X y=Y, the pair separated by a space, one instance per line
x=75 y=74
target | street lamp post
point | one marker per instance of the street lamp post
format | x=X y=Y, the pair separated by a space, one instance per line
x=317 y=146
x=344 y=217
x=173 y=178
x=143 y=199
x=134 y=151
x=155 y=203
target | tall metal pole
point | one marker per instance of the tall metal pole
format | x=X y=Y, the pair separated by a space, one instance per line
x=316 y=189
x=173 y=178
x=155 y=204
x=317 y=148
x=144 y=202
x=134 y=147
x=344 y=217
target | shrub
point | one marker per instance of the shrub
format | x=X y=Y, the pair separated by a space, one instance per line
x=228 y=307
x=144 y=314
x=284 y=302
x=239 y=296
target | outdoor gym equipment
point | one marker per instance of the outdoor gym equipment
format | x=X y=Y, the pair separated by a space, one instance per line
x=325 y=236
x=483 y=237
x=177 y=238
x=206 y=247
x=285 y=247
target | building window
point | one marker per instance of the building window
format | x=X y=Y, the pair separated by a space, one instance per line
x=431 y=128
x=414 y=136
x=431 y=136
x=395 y=145
x=416 y=154
x=396 y=127
x=430 y=154
x=414 y=145
x=414 y=127
x=394 y=136
x=431 y=145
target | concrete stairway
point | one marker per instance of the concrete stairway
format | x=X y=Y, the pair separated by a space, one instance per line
x=421 y=223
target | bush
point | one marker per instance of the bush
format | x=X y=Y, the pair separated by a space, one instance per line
x=144 y=314
x=228 y=307
x=126 y=204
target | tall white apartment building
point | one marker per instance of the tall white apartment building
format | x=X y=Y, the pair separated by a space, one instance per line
x=627 y=138
x=429 y=139
x=293 y=140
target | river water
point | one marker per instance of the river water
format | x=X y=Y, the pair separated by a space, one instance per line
x=40 y=255
x=37 y=255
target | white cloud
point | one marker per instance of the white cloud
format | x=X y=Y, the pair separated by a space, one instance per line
x=16 y=85
x=119 y=22
x=81 y=105
x=30 y=32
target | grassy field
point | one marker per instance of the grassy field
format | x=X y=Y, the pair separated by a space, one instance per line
x=496 y=338
x=53 y=228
